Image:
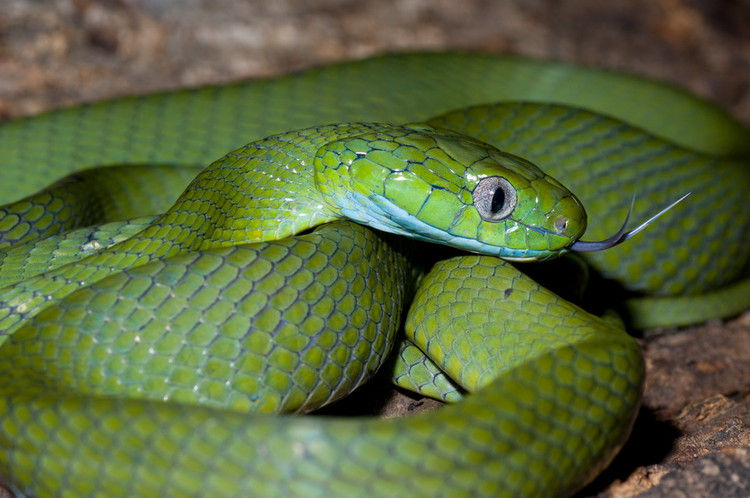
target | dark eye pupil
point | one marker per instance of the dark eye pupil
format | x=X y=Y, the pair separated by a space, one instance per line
x=495 y=198
x=498 y=200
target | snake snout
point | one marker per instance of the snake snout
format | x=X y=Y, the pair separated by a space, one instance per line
x=561 y=223
x=567 y=219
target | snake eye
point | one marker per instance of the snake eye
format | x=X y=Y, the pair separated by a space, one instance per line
x=495 y=198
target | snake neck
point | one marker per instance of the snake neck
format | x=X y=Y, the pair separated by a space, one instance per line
x=262 y=191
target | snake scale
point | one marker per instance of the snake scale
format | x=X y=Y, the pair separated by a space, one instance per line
x=147 y=340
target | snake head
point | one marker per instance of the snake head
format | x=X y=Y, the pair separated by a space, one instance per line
x=440 y=186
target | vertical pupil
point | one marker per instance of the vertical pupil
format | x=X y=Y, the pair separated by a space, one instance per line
x=498 y=200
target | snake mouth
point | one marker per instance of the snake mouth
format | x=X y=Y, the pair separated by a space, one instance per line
x=622 y=234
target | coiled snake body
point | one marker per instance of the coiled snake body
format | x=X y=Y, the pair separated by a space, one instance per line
x=142 y=357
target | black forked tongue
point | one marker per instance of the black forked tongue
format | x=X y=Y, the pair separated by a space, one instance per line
x=622 y=235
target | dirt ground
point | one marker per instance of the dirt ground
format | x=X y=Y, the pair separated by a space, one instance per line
x=693 y=435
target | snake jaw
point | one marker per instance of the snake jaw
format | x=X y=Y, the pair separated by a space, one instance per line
x=622 y=234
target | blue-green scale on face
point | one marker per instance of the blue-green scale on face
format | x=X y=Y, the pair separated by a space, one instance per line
x=439 y=186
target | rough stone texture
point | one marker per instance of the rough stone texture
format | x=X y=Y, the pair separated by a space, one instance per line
x=690 y=367
x=693 y=435
x=57 y=52
x=721 y=474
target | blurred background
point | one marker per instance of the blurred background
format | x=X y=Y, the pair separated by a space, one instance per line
x=57 y=52
x=693 y=436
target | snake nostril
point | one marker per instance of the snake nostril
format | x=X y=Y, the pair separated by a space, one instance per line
x=561 y=223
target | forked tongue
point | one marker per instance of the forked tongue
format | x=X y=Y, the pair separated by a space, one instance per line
x=622 y=234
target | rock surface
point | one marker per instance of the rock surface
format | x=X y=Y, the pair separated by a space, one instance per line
x=693 y=435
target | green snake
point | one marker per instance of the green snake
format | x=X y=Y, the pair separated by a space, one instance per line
x=147 y=340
